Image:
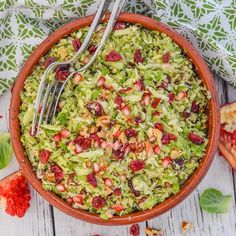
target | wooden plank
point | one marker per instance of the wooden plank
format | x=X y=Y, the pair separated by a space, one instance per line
x=38 y=220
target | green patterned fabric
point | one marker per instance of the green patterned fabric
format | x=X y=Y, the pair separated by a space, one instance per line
x=209 y=24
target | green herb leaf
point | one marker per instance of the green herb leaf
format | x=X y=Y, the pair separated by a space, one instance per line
x=5 y=150
x=213 y=201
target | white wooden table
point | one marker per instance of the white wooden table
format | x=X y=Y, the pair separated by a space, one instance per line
x=45 y=220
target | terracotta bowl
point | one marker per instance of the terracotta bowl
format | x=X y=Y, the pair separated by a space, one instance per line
x=189 y=186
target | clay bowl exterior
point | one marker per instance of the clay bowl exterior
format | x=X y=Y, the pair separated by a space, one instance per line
x=188 y=187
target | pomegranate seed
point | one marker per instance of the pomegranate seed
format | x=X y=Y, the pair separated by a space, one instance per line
x=92 y=179
x=108 y=182
x=113 y=56
x=77 y=78
x=130 y=133
x=118 y=207
x=138 y=120
x=64 y=67
x=146 y=98
x=78 y=148
x=78 y=199
x=171 y=97
x=168 y=138
x=159 y=126
x=62 y=75
x=60 y=187
x=156 y=113
x=57 y=138
x=166 y=161
x=138 y=56
x=65 y=133
x=82 y=142
x=134 y=230
x=96 y=167
x=137 y=165
x=195 y=107
x=195 y=139
x=119 y=25
x=186 y=114
x=92 y=49
x=155 y=103
x=49 y=61
x=117 y=191
x=125 y=90
x=118 y=154
x=119 y=101
x=127 y=149
x=44 y=156
x=76 y=44
x=181 y=95
x=103 y=144
x=166 y=57
x=116 y=145
x=126 y=111
x=101 y=81
x=98 y=202
x=117 y=133
x=57 y=170
x=139 y=85
x=95 y=108
x=156 y=149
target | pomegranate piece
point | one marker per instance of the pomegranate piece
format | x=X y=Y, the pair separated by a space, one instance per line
x=60 y=187
x=171 y=97
x=146 y=98
x=92 y=49
x=181 y=95
x=139 y=85
x=101 y=81
x=118 y=154
x=138 y=120
x=108 y=182
x=126 y=111
x=125 y=90
x=166 y=161
x=119 y=101
x=98 y=202
x=77 y=78
x=83 y=142
x=186 y=114
x=91 y=178
x=156 y=149
x=134 y=191
x=44 y=156
x=58 y=172
x=166 y=57
x=195 y=107
x=159 y=126
x=130 y=133
x=156 y=113
x=15 y=195
x=138 y=56
x=168 y=138
x=195 y=139
x=155 y=102
x=62 y=75
x=57 y=138
x=119 y=25
x=65 y=133
x=136 y=165
x=117 y=191
x=48 y=61
x=76 y=44
x=134 y=230
x=78 y=199
x=113 y=56
x=118 y=207
x=95 y=108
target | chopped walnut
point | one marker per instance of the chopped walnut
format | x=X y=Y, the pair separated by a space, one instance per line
x=153 y=232
x=186 y=226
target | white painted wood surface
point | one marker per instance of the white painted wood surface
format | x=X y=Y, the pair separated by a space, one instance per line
x=44 y=220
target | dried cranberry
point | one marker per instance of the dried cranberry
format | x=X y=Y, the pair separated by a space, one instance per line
x=159 y=126
x=92 y=49
x=62 y=75
x=195 y=107
x=138 y=120
x=113 y=56
x=91 y=178
x=166 y=57
x=76 y=44
x=134 y=230
x=138 y=56
x=44 y=156
x=171 y=97
x=119 y=101
x=130 y=133
x=57 y=170
x=195 y=139
x=135 y=192
x=186 y=114
x=119 y=25
x=117 y=191
x=49 y=61
x=137 y=165
x=95 y=108
x=98 y=202
x=118 y=154
x=168 y=138
x=155 y=102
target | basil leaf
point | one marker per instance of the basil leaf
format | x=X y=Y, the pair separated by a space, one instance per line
x=213 y=201
x=5 y=150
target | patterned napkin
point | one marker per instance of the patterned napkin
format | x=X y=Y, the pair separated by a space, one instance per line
x=209 y=24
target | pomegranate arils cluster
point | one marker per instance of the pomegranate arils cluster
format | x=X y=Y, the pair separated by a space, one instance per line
x=15 y=195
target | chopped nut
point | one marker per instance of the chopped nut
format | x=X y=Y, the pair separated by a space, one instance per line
x=122 y=138
x=62 y=52
x=186 y=226
x=158 y=135
x=153 y=232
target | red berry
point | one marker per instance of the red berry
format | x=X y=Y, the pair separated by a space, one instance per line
x=195 y=107
x=119 y=101
x=117 y=191
x=168 y=138
x=119 y=25
x=49 y=61
x=62 y=75
x=98 y=202
x=113 y=56
x=95 y=108
x=138 y=56
x=137 y=165
x=57 y=138
x=83 y=142
x=171 y=97
x=195 y=139
x=159 y=126
x=130 y=133
x=118 y=154
x=166 y=57
x=186 y=114
x=44 y=156
x=76 y=44
x=58 y=172
x=155 y=102
x=91 y=178
x=134 y=230
x=166 y=161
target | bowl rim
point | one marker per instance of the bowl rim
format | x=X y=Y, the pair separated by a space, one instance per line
x=190 y=184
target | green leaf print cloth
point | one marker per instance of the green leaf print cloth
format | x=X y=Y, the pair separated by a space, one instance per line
x=210 y=25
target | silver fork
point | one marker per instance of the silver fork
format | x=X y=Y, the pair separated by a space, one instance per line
x=54 y=91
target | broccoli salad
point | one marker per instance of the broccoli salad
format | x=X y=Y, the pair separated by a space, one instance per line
x=129 y=131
